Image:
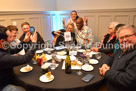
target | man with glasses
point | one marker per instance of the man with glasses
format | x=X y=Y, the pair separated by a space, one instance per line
x=120 y=69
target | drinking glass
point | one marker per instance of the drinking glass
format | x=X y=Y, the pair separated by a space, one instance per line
x=53 y=65
x=34 y=59
x=98 y=55
x=79 y=72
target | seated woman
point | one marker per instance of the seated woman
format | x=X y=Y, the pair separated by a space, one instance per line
x=59 y=35
x=108 y=41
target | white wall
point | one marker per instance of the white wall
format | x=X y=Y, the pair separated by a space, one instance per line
x=27 y=5
x=94 y=4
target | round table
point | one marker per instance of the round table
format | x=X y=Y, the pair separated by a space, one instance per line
x=62 y=81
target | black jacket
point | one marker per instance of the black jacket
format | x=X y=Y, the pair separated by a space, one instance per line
x=122 y=73
x=108 y=46
x=8 y=61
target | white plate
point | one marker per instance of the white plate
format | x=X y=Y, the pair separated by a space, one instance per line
x=72 y=67
x=93 y=52
x=93 y=61
x=24 y=70
x=61 y=53
x=87 y=67
x=39 y=51
x=48 y=57
x=43 y=78
x=81 y=50
x=46 y=49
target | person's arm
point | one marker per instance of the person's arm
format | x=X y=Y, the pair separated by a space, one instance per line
x=125 y=78
x=39 y=39
x=106 y=50
x=8 y=60
x=17 y=48
x=64 y=25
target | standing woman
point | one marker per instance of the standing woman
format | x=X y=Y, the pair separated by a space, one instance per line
x=73 y=19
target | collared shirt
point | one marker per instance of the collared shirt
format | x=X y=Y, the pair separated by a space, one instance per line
x=84 y=36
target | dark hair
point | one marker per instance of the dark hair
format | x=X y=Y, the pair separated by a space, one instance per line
x=3 y=34
x=118 y=26
x=25 y=23
x=76 y=13
x=12 y=27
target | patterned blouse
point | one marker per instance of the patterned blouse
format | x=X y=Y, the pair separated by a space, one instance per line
x=84 y=36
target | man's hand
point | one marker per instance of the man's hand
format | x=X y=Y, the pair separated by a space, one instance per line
x=34 y=37
x=94 y=49
x=27 y=37
x=103 y=69
x=63 y=21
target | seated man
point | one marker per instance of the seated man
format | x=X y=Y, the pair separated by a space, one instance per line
x=26 y=29
x=120 y=69
x=84 y=35
x=15 y=41
x=59 y=35
x=8 y=61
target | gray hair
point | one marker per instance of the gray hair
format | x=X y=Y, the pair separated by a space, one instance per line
x=130 y=27
x=114 y=24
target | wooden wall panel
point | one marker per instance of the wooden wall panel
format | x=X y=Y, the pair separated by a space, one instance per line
x=103 y=22
x=46 y=27
x=3 y=21
x=122 y=19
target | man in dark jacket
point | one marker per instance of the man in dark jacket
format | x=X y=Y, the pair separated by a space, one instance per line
x=120 y=69
x=8 y=61
x=26 y=29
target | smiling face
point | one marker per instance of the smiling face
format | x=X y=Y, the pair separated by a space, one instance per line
x=26 y=28
x=79 y=23
x=127 y=38
x=73 y=15
x=70 y=28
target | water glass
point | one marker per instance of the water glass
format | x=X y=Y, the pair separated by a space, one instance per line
x=53 y=66
x=98 y=55
x=80 y=66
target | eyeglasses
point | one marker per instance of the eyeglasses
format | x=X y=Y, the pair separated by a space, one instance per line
x=126 y=36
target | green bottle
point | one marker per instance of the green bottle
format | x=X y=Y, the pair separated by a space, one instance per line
x=67 y=64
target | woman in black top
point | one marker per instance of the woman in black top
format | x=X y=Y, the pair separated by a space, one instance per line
x=108 y=41
x=59 y=35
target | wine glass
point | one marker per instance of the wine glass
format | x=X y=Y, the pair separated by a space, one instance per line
x=80 y=63
x=98 y=55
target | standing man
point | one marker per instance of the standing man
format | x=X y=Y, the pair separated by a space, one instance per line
x=120 y=69
x=26 y=29
x=8 y=61
x=83 y=33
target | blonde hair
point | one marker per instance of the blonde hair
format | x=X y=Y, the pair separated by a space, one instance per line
x=70 y=24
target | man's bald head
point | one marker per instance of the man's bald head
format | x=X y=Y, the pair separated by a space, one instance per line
x=79 y=23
